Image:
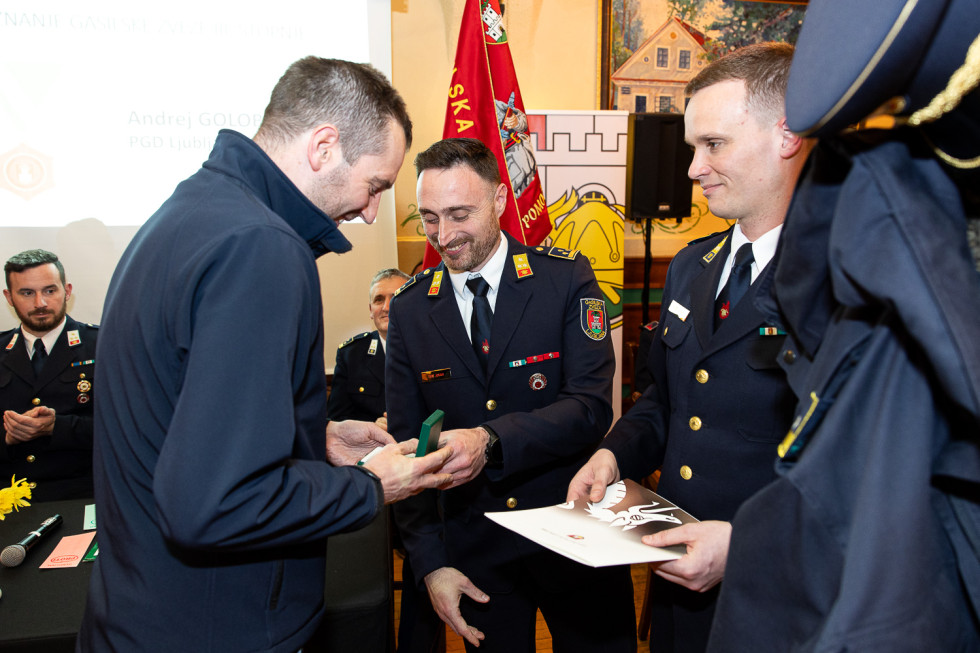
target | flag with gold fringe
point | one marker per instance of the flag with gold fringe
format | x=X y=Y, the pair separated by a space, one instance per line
x=485 y=103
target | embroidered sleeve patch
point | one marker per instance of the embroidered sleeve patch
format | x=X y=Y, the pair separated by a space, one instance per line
x=593 y=318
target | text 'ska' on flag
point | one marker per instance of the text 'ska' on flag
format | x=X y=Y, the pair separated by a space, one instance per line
x=485 y=103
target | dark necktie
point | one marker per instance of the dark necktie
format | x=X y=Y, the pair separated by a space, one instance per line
x=481 y=319
x=738 y=283
x=40 y=355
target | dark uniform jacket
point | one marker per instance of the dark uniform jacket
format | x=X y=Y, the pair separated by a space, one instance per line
x=58 y=466
x=358 y=388
x=718 y=407
x=549 y=414
x=868 y=540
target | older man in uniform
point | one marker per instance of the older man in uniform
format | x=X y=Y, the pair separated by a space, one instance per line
x=47 y=373
x=358 y=387
x=358 y=392
x=511 y=342
x=719 y=404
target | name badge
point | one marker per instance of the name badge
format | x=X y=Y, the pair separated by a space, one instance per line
x=435 y=375
x=678 y=310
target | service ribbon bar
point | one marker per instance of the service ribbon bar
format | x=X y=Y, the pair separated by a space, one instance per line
x=771 y=331
x=534 y=359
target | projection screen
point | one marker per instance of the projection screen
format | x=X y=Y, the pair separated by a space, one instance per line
x=107 y=106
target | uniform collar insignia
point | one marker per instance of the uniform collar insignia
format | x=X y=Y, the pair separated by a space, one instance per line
x=711 y=255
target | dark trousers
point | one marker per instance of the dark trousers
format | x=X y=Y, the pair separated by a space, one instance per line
x=587 y=610
x=420 y=630
x=680 y=619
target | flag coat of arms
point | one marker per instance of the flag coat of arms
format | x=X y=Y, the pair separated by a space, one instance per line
x=485 y=103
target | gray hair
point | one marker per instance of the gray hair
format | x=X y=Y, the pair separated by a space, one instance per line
x=388 y=273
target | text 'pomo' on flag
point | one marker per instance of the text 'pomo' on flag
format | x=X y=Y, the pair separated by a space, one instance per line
x=485 y=103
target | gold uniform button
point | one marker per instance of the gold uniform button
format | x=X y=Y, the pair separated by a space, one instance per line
x=695 y=423
x=512 y=502
x=31 y=458
x=82 y=375
x=361 y=389
x=686 y=473
x=32 y=485
x=36 y=401
x=701 y=376
x=789 y=356
x=492 y=405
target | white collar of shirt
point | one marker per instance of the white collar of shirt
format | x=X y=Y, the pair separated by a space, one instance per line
x=763 y=249
x=384 y=342
x=49 y=338
x=491 y=272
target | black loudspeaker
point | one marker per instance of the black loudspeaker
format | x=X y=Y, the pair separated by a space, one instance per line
x=657 y=160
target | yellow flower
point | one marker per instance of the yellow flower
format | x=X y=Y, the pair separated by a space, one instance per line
x=14 y=497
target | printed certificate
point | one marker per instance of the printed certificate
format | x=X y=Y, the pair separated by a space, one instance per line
x=604 y=533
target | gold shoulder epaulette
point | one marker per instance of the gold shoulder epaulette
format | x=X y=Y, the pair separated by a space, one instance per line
x=707 y=258
x=556 y=252
x=353 y=338
x=408 y=284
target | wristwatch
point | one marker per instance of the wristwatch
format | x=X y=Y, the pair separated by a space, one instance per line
x=493 y=454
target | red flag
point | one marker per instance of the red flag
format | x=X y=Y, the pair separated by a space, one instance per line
x=485 y=103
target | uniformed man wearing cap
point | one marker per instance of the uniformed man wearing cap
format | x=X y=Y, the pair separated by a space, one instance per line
x=511 y=342
x=718 y=404
x=868 y=540
x=47 y=382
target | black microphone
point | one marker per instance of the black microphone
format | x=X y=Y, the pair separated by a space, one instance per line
x=14 y=554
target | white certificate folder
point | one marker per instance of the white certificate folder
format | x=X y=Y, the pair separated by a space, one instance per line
x=605 y=533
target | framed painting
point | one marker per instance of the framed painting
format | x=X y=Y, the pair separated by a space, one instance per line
x=650 y=49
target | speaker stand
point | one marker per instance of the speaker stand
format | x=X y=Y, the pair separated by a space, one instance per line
x=647 y=264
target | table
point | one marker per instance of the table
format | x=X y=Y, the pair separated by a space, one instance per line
x=41 y=609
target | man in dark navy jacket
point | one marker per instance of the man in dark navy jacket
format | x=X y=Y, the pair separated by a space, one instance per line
x=524 y=378
x=47 y=383
x=211 y=476
x=719 y=404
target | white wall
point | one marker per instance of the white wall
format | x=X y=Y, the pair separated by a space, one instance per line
x=107 y=106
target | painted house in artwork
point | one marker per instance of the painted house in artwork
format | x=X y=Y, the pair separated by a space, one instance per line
x=653 y=78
